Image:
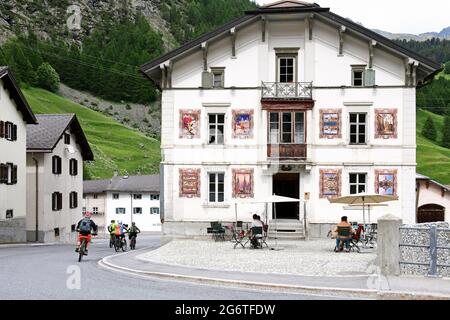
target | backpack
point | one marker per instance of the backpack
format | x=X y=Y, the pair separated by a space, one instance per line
x=85 y=225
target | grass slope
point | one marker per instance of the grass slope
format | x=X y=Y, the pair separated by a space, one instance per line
x=115 y=146
x=432 y=159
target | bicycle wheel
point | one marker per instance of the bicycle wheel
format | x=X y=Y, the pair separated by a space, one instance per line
x=81 y=251
x=124 y=245
x=117 y=245
x=111 y=242
x=133 y=243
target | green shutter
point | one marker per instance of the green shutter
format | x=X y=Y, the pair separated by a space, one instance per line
x=370 y=77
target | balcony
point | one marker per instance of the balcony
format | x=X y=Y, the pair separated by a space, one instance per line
x=287 y=91
x=288 y=151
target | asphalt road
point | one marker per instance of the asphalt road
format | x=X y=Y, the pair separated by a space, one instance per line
x=50 y=272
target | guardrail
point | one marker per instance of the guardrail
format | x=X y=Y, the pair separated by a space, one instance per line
x=292 y=90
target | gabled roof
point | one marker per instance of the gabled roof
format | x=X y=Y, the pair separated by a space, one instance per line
x=425 y=178
x=44 y=136
x=290 y=7
x=10 y=84
x=145 y=183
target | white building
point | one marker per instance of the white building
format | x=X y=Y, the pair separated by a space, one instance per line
x=433 y=200
x=56 y=149
x=289 y=99
x=127 y=199
x=15 y=114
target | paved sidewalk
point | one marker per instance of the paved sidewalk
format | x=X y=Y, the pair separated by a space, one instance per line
x=372 y=286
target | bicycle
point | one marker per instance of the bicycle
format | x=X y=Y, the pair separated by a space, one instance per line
x=133 y=243
x=111 y=240
x=83 y=246
x=120 y=243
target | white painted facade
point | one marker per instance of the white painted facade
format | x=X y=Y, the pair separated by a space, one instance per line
x=51 y=222
x=13 y=197
x=122 y=208
x=318 y=62
x=431 y=193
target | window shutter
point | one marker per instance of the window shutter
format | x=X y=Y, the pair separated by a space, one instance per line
x=2 y=173
x=75 y=200
x=207 y=80
x=54 y=164
x=14 y=132
x=59 y=165
x=2 y=129
x=14 y=175
x=54 y=201
x=7 y=130
x=370 y=77
x=59 y=201
x=75 y=164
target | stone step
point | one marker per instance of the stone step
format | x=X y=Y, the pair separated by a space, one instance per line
x=295 y=236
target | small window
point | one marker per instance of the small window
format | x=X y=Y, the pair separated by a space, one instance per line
x=120 y=211
x=95 y=196
x=9 y=214
x=216 y=187
x=115 y=196
x=66 y=138
x=56 y=165
x=8 y=174
x=358 y=182
x=10 y=131
x=73 y=167
x=73 y=200
x=154 y=197
x=56 y=201
x=154 y=210
x=137 y=210
x=73 y=228
x=218 y=77
x=286 y=69
x=358 y=128
x=56 y=232
x=216 y=123
x=137 y=196
x=358 y=76
x=95 y=211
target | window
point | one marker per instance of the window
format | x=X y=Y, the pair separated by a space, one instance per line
x=83 y=210
x=95 y=211
x=216 y=187
x=56 y=201
x=2 y=129
x=358 y=128
x=9 y=131
x=216 y=128
x=120 y=211
x=73 y=228
x=56 y=165
x=115 y=196
x=73 y=200
x=95 y=196
x=358 y=183
x=218 y=77
x=137 y=196
x=137 y=210
x=154 y=210
x=56 y=232
x=66 y=138
x=287 y=127
x=154 y=197
x=9 y=214
x=286 y=69
x=73 y=167
x=8 y=173
x=358 y=76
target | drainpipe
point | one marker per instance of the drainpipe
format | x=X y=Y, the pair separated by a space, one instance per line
x=37 y=198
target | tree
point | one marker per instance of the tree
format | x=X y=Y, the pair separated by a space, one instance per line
x=47 y=77
x=447 y=68
x=429 y=129
x=446 y=132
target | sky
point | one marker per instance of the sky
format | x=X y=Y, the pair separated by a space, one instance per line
x=397 y=16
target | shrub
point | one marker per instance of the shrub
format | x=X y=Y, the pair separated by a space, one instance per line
x=446 y=132
x=447 y=68
x=429 y=129
x=128 y=107
x=47 y=77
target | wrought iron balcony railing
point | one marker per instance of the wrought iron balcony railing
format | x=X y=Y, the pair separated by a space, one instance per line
x=293 y=90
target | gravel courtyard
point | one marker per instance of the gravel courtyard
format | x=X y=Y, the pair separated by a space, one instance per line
x=308 y=258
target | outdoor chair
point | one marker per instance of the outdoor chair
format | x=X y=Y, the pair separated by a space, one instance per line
x=218 y=232
x=343 y=232
x=356 y=239
x=265 y=234
x=257 y=236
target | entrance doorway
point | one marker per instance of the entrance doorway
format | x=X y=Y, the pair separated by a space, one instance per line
x=287 y=185
x=430 y=213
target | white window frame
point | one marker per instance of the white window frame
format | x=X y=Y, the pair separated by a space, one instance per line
x=154 y=197
x=216 y=125
x=216 y=189
x=154 y=209
x=361 y=69
x=294 y=67
x=357 y=183
x=114 y=196
x=137 y=196
x=118 y=211
x=357 y=123
x=135 y=211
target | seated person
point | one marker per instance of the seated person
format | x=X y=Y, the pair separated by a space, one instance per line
x=344 y=233
x=255 y=223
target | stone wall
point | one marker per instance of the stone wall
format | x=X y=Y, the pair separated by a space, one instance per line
x=13 y=231
x=422 y=255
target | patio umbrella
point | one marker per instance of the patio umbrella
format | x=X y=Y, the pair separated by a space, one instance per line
x=364 y=199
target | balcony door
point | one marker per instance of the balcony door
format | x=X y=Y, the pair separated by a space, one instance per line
x=287 y=185
x=287 y=69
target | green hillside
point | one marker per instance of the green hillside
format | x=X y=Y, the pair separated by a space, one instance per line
x=115 y=146
x=432 y=159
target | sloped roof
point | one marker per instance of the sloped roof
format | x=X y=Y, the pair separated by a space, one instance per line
x=145 y=183
x=422 y=177
x=289 y=7
x=16 y=94
x=44 y=136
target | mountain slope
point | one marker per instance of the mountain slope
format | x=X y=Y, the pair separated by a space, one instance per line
x=115 y=146
x=432 y=159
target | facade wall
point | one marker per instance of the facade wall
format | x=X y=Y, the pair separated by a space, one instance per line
x=64 y=183
x=318 y=62
x=100 y=203
x=433 y=195
x=13 y=197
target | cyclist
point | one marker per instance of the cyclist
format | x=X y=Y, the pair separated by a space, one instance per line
x=111 y=230
x=120 y=231
x=133 y=231
x=85 y=227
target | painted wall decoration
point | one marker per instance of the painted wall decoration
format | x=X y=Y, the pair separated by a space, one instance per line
x=242 y=124
x=189 y=183
x=385 y=123
x=243 y=183
x=190 y=124
x=330 y=183
x=386 y=182
x=330 y=123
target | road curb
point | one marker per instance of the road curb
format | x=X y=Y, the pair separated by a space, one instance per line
x=30 y=245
